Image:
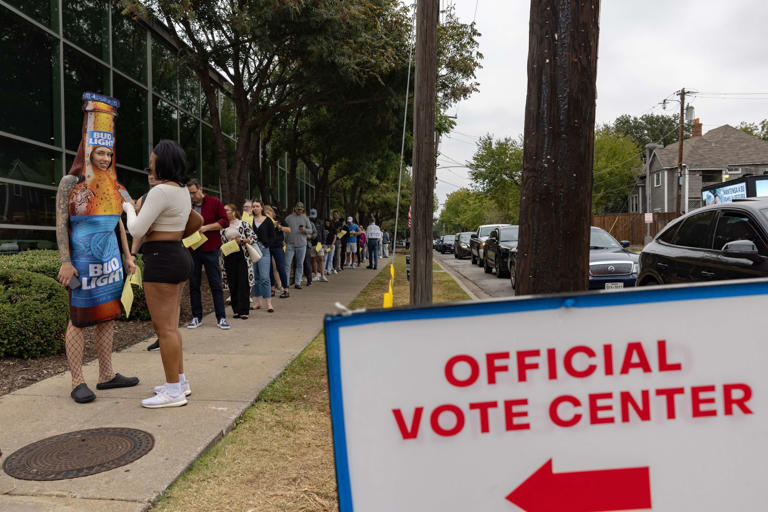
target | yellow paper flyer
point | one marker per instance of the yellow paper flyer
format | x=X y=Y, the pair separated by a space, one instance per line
x=318 y=247
x=230 y=247
x=192 y=239
x=136 y=277
x=247 y=218
x=341 y=233
x=127 y=298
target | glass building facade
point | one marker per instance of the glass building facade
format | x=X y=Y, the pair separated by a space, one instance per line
x=51 y=52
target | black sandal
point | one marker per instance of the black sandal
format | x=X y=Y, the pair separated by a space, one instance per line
x=82 y=394
x=118 y=381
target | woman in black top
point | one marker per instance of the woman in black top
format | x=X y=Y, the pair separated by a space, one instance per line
x=265 y=232
x=277 y=253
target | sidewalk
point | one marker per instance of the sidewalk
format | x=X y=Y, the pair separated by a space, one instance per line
x=226 y=369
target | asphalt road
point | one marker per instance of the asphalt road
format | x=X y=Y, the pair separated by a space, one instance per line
x=473 y=277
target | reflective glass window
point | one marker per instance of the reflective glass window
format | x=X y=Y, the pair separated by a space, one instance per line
x=227 y=115
x=81 y=74
x=131 y=123
x=189 y=91
x=164 y=124
x=20 y=204
x=696 y=231
x=129 y=47
x=27 y=102
x=189 y=139
x=164 y=70
x=25 y=162
x=86 y=25
x=42 y=11
x=210 y=171
x=17 y=240
x=205 y=111
x=135 y=182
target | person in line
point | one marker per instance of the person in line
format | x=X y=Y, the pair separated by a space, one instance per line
x=88 y=207
x=279 y=279
x=136 y=246
x=207 y=255
x=246 y=216
x=318 y=266
x=338 y=254
x=167 y=264
x=237 y=265
x=265 y=233
x=373 y=234
x=385 y=243
x=308 y=259
x=362 y=243
x=329 y=246
x=296 y=242
x=352 y=230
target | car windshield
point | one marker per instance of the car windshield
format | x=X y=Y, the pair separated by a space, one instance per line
x=485 y=230
x=464 y=237
x=599 y=239
x=508 y=234
x=449 y=238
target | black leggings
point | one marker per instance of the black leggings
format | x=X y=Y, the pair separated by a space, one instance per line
x=237 y=280
x=166 y=262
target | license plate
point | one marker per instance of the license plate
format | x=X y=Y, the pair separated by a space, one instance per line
x=613 y=286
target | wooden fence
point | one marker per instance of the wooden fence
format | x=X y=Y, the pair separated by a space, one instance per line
x=631 y=226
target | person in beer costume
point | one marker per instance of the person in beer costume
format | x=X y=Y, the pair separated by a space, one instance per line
x=88 y=209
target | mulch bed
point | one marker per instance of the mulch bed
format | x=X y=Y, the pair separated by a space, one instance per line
x=18 y=373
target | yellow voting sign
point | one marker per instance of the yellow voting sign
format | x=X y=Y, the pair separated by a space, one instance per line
x=230 y=247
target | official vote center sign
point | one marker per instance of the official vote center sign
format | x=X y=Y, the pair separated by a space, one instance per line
x=650 y=399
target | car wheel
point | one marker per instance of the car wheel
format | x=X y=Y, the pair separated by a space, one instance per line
x=649 y=281
x=497 y=269
x=512 y=275
x=480 y=259
x=501 y=271
x=486 y=268
x=473 y=259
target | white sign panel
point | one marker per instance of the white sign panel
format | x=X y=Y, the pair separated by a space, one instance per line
x=649 y=218
x=654 y=398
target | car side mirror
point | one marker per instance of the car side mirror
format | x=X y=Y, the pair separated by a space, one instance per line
x=742 y=249
x=625 y=243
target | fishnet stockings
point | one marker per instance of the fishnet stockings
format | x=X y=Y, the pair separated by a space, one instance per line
x=74 y=343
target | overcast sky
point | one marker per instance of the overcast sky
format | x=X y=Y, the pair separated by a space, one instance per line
x=648 y=50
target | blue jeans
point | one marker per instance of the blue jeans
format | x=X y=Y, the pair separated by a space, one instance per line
x=278 y=255
x=373 y=253
x=290 y=251
x=209 y=260
x=261 y=271
x=328 y=258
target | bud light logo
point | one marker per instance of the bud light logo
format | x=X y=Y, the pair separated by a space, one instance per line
x=104 y=139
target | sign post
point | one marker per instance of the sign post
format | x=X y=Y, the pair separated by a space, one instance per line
x=570 y=402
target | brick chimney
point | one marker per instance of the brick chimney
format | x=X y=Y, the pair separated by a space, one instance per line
x=696 y=128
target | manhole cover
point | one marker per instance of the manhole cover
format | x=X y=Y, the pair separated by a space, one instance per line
x=76 y=454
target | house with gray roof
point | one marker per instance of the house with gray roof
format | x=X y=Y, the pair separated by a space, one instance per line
x=720 y=154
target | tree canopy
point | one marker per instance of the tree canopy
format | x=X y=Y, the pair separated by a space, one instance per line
x=651 y=128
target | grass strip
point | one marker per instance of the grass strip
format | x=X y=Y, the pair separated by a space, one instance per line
x=279 y=455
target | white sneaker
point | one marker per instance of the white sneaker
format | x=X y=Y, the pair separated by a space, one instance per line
x=323 y=279
x=184 y=387
x=335 y=271
x=163 y=399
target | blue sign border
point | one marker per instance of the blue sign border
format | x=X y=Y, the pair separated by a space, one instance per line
x=700 y=291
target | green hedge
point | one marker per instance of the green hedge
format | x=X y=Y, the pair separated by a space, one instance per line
x=34 y=311
x=47 y=262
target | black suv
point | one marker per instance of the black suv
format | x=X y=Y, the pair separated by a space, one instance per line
x=723 y=241
x=477 y=241
x=498 y=246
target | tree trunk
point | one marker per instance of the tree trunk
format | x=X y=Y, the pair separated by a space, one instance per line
x=553 y=253
x=424 y=154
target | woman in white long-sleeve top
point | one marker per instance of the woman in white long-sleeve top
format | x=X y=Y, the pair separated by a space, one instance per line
x=167 y=263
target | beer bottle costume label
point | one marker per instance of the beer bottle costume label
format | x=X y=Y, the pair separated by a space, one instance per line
x=95 y=206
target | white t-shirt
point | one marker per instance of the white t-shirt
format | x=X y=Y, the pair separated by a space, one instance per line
x=166 y=207
x=373 y=232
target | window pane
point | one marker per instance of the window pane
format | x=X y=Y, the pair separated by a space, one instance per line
x=131 y=123
x=163 y=70
x=189 y=91
x=190 y=141
x=43 y=11
x=86 y=25
x=227 y=115
x=210 y=172
x=20 y=204
x=696 y=231
x=737 y=226
x=163 y=121
x=129 y=47
x=81 y=74
x=24 y=162
x=135 y=182
x=26 y=87
x=15 y=240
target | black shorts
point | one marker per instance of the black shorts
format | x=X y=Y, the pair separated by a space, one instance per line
x=166 y=262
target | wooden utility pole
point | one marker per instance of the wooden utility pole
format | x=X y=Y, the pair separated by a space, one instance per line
x=424 y=151
x=555 y=204
x=678 y=209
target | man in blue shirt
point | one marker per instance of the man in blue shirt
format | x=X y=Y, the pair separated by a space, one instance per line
x=353 y=230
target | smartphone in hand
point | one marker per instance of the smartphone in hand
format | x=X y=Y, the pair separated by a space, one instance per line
x=126 y=195
x=74 y=283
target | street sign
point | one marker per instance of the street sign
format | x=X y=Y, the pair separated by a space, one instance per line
x=649 y=218
x=652 y=398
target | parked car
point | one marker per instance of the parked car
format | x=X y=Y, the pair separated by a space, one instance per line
x=477 y=241
x=446 y=243
x=437 y=245
x=461 y=245
x=611 y=265
x=497 y=248
x=722 y=241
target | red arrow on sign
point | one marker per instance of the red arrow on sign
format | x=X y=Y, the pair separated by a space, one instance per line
x=585 y=491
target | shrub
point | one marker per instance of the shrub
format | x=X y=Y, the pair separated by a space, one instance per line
x=34 y=310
